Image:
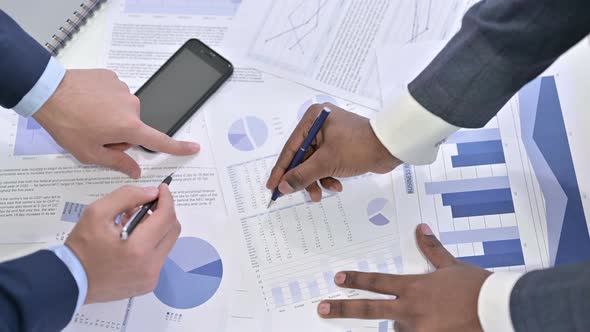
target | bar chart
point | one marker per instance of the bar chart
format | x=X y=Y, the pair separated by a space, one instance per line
x=478 y=198
x=467 y=195
x=313 y=279
x=33 y=140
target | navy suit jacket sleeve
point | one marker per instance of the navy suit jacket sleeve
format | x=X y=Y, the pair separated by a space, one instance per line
x=23 y=61
x=556 y=299
x=37 y=293
x=502 y=45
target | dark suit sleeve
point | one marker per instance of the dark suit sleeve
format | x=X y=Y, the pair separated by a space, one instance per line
x=37 y=293
x=555 y=299
x=502 y=45
x=22 y=61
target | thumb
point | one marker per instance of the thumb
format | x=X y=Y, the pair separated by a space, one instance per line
x=314 y=168
x=432 y=248
x=120 y=161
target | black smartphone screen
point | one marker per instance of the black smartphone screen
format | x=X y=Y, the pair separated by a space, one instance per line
x=181 y=86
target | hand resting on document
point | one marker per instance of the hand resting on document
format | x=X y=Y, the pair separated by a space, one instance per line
x=444 y=300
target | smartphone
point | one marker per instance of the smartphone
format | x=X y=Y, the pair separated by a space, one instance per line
x=182 y=85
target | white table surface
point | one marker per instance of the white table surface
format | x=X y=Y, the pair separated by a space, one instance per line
x=85 y=51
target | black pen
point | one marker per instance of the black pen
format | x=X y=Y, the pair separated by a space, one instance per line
x=145 y=209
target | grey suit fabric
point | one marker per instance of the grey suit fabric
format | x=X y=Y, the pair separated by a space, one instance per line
x=556 y=299
x=501 y=46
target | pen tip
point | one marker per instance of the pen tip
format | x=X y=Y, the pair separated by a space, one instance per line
x=171 y=174
x=269 y=204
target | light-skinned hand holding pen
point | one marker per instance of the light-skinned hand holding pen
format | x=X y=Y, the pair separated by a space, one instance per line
x=118 y=269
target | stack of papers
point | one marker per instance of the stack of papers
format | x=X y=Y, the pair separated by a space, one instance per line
x=239 y=266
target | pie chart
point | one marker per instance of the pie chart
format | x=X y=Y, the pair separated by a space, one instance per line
x=375 y=212
x=318 y=99
x=191 y=274
x=248 y=133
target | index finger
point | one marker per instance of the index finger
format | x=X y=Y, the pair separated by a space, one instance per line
x=382 y=283
x=291 y=146
x=361 y=309
x=155 y=140
x=153 y=229
x=123 y=199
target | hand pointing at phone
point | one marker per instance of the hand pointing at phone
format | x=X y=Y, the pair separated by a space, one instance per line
x=93 y=115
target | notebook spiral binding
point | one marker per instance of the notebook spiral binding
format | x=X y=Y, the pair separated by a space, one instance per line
x=72 y=25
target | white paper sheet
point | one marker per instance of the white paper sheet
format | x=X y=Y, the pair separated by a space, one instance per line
x=291 y=252
x=529 y=231
x=329 y=45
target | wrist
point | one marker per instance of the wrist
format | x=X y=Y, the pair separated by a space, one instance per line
x=493 y=303
x=44 y=114
x=409 y=131
x=43 y=89
x=384 y=160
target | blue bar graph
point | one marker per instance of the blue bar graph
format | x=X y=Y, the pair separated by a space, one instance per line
x=32 y=124
x=363 y=266
x=479 y=135
x=383 y=326
x=382 y=267
x=329 y=279
x=487 y=196
x=479 y=147
x=295 y=291
x=398 y=264
x=277 y=295
x=496 y=260
x=477 y=197
x=482 y=209
x=314 y=288
x=479 y=153
x=479 y=235
x=455 y=186
x=465 y=160
x=501 y=247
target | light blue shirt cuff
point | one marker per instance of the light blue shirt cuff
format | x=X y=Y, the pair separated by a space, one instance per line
x=42 y=90
x=73 y=263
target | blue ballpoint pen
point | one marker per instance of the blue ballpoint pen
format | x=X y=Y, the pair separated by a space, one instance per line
x=313 y=132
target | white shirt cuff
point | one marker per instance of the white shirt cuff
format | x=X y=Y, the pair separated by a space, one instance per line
x=42 y=90
x=493 y=304
x=73 y=263
x=409 y=131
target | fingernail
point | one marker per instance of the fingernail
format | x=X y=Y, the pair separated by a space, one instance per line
x=324 y=308
x=285 y=188
x=340 y=278
x=195 y=147
x=335 y=188
x=426 y=229
x=152 y=191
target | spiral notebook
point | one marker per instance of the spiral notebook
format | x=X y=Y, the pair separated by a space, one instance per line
x=51 y=22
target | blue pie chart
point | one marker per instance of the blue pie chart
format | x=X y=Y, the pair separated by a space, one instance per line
x=248 y=133
x=191 y=274
x=375 y=210
x=318 y=99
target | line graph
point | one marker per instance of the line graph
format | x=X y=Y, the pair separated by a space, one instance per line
x=417 y=29
x=294 y=34
x=303 y=20
x=424 y=20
